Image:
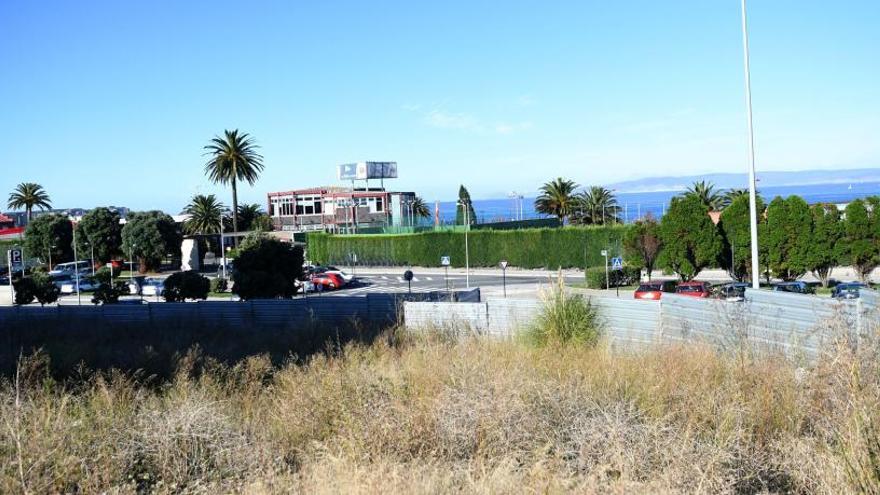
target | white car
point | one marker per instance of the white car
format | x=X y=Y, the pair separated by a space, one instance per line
x=85 y=285
x=153 y=287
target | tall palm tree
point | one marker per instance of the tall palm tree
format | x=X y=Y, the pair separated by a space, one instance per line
x=233 y=158
x=707 y=194
x=597 y=205
x=732 y=194
x=248 y=214
x=205 y=214
x=29 y=195
x=557 y=198
x=420 y=208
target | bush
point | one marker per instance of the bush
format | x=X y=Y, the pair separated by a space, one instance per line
x=219 y=284
x=595 y=276
x=109 y=292
x=565 y=318
x=186 y=285
x=267 y=268
x=527 y=248
x=39 y=286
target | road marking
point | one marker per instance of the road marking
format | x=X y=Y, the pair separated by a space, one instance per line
x=384 y=277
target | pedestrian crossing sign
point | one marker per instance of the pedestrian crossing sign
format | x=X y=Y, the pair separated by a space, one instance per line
x=617 y=263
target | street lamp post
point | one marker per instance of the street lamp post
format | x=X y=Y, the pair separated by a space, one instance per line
x=76 y=267
x=467 y=226
x=753 y=207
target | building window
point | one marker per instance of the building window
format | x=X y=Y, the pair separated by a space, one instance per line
x=379 y=205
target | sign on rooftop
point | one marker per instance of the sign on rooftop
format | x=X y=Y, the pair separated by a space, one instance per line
x=367 y=170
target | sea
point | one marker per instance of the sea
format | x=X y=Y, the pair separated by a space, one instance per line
x=636 y=205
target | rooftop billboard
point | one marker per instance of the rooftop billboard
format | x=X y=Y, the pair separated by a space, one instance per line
x=367 y=170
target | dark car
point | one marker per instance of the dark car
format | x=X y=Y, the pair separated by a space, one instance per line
x=797 y=287
x=694 y=289
x=652 y=291
x=847 y=290
x=734 y=291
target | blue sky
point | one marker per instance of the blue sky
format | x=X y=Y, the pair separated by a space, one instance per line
x=111 y=102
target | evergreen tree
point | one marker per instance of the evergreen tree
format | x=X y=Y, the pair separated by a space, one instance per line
x=464 y=200
x=49 y=237
x=735 y=227
x=861 y=236
x=789 y=227
x=99 y=228
x=825 y=241
x=150 y=236
x=691 y=241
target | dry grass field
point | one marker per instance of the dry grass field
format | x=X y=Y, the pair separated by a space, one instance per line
x=429 y=415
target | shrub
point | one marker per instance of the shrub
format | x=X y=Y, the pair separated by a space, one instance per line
x=186 y=285
x=565 y=318
x=109 y=292
x=595 y=276
x=219 y=284
x=38 y=286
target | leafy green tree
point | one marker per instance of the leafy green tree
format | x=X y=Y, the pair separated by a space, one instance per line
x=267 y=268
x=233 y=158
x=186 y=285
x=691 y=241
x=29 y=195
x=109 y=290
x=99 y=228
x=205 y=214
x=706 y=193
x=263 y=223
x=735 y=228
x=824 y=252
x=642 y=245
x=50 y=237
x=788 y=233
x=150 y=236
x=596 y=206
x=464 y=200
x=861 y=237
x=248 y=215
x=557 y=198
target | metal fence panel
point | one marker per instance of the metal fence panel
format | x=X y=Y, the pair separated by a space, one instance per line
x=505 y=317
x=460 y=317
x=629 y=323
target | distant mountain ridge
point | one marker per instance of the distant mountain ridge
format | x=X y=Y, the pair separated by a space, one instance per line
x=765 y=179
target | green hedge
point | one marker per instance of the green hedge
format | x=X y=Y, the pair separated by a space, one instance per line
x=595 y=277
x=527 y=248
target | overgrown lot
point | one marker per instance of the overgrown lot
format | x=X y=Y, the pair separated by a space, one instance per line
x=407 y=414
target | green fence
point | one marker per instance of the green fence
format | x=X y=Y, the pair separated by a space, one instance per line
x=527 y=248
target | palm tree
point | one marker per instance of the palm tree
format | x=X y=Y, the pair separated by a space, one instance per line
x=248 y=214
x=420 y=208
x=557 y=198
x=707 y=194
x=205 y=214
x=234 y=158
x=597 y=205
x=29 y=195
x=732 y=194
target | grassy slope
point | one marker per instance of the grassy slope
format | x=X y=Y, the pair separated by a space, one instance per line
x=434 y=416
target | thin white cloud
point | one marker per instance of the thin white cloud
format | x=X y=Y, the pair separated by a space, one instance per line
x=440 y=118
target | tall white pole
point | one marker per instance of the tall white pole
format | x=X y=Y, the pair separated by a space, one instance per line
x=222 y=248
x=467 y=259
x=753 y=205
x=76 y=267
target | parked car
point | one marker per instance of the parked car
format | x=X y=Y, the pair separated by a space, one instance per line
x=734 y=291
x=59 y=279
x=153 y=287
x=326 y=280
x=694 y=288
x=135 y=285
x=86 y=284
x=847 y=290
x=797 y=287
x=70 y=268
x=346 y=277
x=654 y=290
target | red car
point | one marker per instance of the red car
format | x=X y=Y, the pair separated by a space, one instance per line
x=694 y=289
x=652 y=291
x=328 y=281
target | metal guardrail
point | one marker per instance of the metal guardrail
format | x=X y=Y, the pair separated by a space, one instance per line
x=795 y=324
